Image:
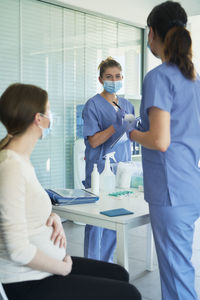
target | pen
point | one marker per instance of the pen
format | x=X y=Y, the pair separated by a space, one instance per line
x=116 y=104
x=85 y=190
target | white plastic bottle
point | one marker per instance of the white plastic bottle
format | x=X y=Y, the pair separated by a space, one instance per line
x=95 y=180
x=107 y=177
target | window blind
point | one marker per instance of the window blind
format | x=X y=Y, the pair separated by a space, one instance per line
x=9 y=46
x=130 y=51
x=42 y=64
x=59 y=49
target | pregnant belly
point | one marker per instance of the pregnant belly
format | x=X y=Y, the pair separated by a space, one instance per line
x=43 y=241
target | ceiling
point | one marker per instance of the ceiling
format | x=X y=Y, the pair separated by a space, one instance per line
x=132 y=11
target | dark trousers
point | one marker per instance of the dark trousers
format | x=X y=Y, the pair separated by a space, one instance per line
x=89 y=280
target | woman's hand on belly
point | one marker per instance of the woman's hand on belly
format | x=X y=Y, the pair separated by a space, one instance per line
x=58 y=235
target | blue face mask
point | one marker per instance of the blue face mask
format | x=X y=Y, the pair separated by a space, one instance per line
x=155 y=54
x=112 y=86
x=46 y=131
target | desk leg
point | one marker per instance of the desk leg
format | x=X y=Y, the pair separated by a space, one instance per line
x=122 y=247
x=149 y=253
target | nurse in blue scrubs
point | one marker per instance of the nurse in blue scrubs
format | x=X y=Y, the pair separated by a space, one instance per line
x=170 y=113
x=103 y=125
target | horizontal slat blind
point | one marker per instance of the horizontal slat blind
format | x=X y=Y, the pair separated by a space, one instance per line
x=130 y=50
x=9 y=46
x=92 y=44
x=42 y=65
x=59 y=49
x=69 y=90
x=108 y=42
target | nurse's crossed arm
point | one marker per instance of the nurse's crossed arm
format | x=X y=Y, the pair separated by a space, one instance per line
x=158 y=135
x=102 y=136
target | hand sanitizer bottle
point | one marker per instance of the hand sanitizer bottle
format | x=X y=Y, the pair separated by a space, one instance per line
x=95 y=181
x=107 y=177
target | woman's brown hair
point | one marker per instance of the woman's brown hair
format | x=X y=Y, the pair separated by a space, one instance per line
x=18 y=106
x=178 y=50
x=107 y=63
x=168 y=21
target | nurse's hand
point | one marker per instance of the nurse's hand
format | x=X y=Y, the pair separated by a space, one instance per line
x=135 y=125
x=119 y=122
x=58 y=234
x=132 y=126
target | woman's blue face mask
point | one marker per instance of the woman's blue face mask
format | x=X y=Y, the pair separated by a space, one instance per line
x=46 y=131
x=155 y=54
x=112 y=86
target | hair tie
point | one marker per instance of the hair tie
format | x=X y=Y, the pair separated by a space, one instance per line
x=10 y=136
x=178 y=23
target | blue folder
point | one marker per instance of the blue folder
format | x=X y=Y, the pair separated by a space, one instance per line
x=71 y=196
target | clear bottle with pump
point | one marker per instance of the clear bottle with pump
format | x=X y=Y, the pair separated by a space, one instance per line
x=107 y=177
x=95 y=180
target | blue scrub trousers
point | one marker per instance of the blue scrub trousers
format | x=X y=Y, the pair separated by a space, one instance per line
x=173 y=230
x=99 y=243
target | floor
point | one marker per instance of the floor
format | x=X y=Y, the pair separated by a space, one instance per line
x=148 y=283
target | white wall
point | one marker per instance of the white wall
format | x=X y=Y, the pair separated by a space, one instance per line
x=125 y=9
x=133 y=11
x=195 y=30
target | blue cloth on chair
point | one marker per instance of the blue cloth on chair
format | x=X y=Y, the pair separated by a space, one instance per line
x=71 y=196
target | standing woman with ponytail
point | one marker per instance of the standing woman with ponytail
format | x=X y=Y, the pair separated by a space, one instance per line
x=170 y=113
x=104 y=125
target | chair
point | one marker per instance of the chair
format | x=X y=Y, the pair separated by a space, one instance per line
x=2 y=293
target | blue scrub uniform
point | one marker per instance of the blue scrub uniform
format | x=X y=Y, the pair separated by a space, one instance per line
x=172 y=178
x=98 y=115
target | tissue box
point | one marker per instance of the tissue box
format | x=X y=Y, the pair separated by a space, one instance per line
x=128 y=174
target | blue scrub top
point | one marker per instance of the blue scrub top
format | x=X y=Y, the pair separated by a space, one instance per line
x=98 y=115
x=173 y=177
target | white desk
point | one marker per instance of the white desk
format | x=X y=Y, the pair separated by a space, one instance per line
x=89 y=214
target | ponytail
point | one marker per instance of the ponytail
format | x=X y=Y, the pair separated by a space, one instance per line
x=178 y=50
x=5 y=141
x=168 y=20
